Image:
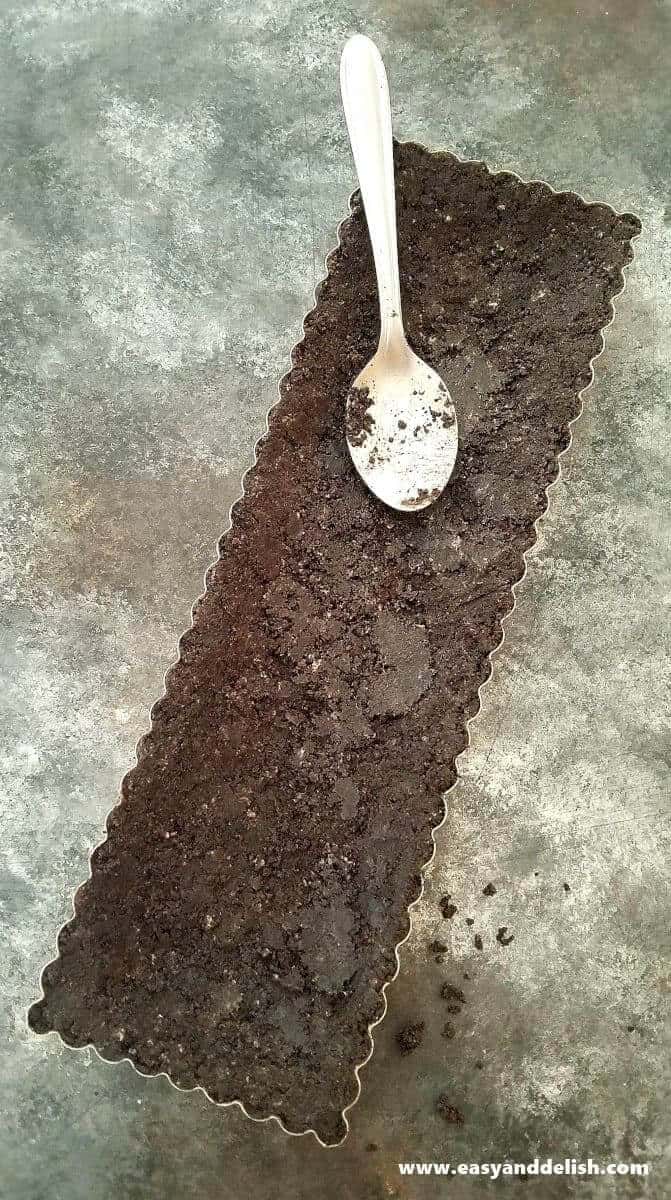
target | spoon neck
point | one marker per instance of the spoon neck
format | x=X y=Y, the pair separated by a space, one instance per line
x=393 y=342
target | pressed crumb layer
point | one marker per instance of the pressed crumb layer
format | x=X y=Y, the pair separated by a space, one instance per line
x=243 y=912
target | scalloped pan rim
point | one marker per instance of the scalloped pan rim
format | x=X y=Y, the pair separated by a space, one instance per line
x=422 y=870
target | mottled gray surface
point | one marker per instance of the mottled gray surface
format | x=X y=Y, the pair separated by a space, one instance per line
x=172 y=176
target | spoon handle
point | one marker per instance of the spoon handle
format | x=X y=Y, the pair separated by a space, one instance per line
x=365 y=95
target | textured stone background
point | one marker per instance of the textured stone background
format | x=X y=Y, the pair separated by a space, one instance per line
x=172 y=175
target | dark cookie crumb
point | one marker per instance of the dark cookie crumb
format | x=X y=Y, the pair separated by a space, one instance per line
x=420 y=500
x=359 y=421
x=454 y=996
x=448 y=1111
x=410 y=1037
x=501 y=936
x=447 y=908
x=566 y=887
x=477 y=942
x=437 y=947
x=489 y=890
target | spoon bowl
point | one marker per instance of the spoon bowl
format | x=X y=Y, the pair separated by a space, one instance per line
x=401 y=429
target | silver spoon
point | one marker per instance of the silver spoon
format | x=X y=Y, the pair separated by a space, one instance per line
x=400 y=423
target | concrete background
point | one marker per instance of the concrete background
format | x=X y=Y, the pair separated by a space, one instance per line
x=173 y=173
